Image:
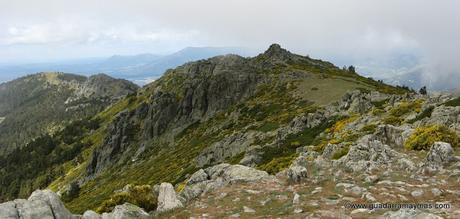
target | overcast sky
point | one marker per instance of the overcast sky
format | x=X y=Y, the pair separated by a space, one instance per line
x=353 y=29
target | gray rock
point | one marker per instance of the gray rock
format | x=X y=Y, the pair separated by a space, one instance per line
x=8 y=211
x=219 y=176
x=440 y=154
x=125 y=211
x=408 y=214
x=198 y=176
x=369 y=154
x=52 y=199
x=34 y=209
x=296 y=173
x=167 y=199
x=392 y=135
x=248 y=210
x=296 y=199
x=226 y=148
x=417 y=193
x=252 y=156
x=436 y=192
x=90 y=215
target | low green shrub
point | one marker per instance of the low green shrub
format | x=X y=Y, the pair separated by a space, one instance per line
x=424 y=114
x=454 y=102
x=141 y=196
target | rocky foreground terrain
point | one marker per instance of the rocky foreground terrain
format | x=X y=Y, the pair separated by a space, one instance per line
x=377 y=168
x=274 y=136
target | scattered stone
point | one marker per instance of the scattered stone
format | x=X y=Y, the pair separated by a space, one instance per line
x=417 y=193
x=296 y=173
x=296 y=199
x=248 y=210
x=237 y=215
x=436 y=192
x=298 y=211
x=167 y=199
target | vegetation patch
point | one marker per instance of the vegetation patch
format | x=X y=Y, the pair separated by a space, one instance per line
x=278 y=164
x=424 y=114
x=341 y=152
x=424 y=137
x=369 y=128
x=455 y=102
x=142 y=196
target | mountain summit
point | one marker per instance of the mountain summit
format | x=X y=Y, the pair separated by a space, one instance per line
x=233 y=128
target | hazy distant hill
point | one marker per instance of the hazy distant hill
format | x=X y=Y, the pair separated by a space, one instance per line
x=139 y=68
x=42 y=103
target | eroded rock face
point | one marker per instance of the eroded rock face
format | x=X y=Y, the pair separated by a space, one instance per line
x=440 y=154
x=227 y=148
x=392 y=135
x=369 y=154
x=167 y=199
x=445 y=116
x=125 y=211
x=8 y=210
x=218 y=176
x=41 y=204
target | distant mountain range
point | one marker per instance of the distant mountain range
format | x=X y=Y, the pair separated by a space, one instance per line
x=140 y=69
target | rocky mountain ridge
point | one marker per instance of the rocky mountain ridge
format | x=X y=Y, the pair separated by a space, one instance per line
x=278 y=134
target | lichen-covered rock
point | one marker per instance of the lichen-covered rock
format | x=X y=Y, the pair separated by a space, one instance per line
x=392 y=135
x=369 y=154
x=8 y=211
x=218 y=176
x=126 y=211
x=167 y=199
x=52 y=199
x=296 y=173
x=227 y=148
x=34 y=209
x=440 y=154
x=198 y=176
x=445 y=116
x=90 y=215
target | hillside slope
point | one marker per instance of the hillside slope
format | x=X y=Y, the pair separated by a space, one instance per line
x=45 y=102
x=223 y=109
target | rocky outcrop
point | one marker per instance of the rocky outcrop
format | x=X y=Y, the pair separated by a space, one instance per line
x=125 y=211
x=226 y=148
x=167 y=199
x=121 y=132
x=445 y=116
x=41 y=204
x=370 y=153
x=356 y=102
x=392 y=135
x=440 y=155
x=218 y=176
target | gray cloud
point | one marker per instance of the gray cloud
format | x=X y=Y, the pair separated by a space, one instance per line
x=336 y=29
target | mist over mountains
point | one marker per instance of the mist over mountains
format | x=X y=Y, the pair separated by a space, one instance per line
x=141 y=69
